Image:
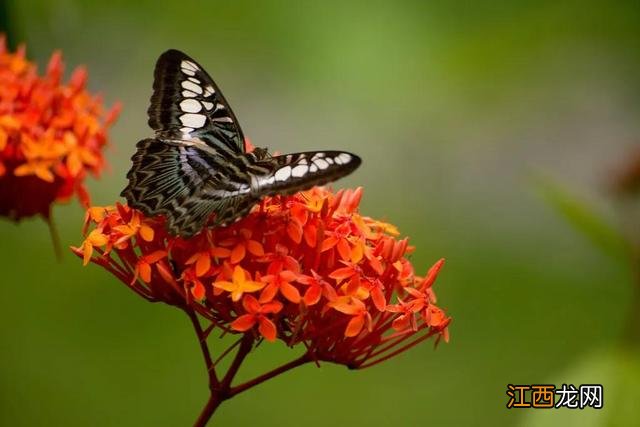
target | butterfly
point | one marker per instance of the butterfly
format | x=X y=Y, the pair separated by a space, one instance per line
x=196 y=171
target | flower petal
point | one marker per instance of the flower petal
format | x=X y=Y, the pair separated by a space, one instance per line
x=146 y=233
x=355 y=326
x=87 y=251
x=251 y=304
x=203 y=263
x=198 y=290
x=255 y=248
x=290 y=292
x=294 y=230
x=145 y=272
x=312 y=295
x=378 y=298
x=237 y=254
x=344 y=250
x=432 y=274
x=244 y=322
x=267 y=329
x=268 y=293
x=340 y=274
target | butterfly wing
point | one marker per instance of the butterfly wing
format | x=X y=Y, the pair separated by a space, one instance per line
x=196 y=166
x=184 y=184
x=187 y=105
x=290 y=173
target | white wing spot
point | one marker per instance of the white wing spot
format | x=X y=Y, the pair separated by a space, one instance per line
x=299 y=171
x=303 y=161
x=313 y=168
x=191 y=86
x=186 y=130
x=193 y=120
x=346 y=158
x=207 y=105
x=220 y=106
x=190 y=106
x=208 y=91
x=321 y=163
x=267 y=181
x=193 y=79
x=188 y=94
x=185 y=64
x=223 y=119
x=188 y=72
x=283 y=174
x=317 y=156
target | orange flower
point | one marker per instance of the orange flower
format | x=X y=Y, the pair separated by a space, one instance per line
x=51 y=135
x=143 y=266
x=355 y=308
x=317 y=288
x=95 y=238
x=280 y=283
x=241 y=244
x=256 y=313
x=329 y=279
x=239 y=285
x=132 y=228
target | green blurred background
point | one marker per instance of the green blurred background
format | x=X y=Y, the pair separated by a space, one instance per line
x=457 y=109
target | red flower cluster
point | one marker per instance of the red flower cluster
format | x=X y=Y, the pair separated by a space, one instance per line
x=306 y=269
x=51 y=135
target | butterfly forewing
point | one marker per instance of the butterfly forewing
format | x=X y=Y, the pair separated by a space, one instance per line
x=196 y=170
x=290 y=173
x=186 y=104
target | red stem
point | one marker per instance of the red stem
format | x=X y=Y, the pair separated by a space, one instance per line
x=399 y=350
x=221 y=390
x=202 y=339
x=264 y=377
x=207 y=412
x=227 y=351
x=245 y=348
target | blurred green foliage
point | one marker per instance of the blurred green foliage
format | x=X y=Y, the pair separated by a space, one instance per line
x=451 y=105
x=585 y=219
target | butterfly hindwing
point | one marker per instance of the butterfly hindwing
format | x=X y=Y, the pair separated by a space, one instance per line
x=181 y=183
x=186 y=104
x=290 y=173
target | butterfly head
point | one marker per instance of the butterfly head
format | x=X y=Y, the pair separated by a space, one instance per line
x=261 y=153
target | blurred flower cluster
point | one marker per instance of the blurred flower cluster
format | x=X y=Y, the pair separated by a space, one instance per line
x=305 y=269
x=51 y=135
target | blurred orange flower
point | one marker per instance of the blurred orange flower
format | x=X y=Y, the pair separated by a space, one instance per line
x=51 y=135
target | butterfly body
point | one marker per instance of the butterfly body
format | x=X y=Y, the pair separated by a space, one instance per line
x=197 y=166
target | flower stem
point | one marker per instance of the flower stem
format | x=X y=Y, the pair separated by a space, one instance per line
x=207 y=412
x=245 y=348
x=221 y=390
x=202 y=340
x=55 y=237
x=264 y=377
